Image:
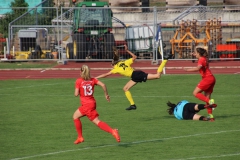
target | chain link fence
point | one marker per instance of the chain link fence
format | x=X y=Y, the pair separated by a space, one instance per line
x=95 y=34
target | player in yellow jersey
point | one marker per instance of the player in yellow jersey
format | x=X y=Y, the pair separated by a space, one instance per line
x=123 y=67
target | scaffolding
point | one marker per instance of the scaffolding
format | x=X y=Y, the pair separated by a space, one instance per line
x=191 y=33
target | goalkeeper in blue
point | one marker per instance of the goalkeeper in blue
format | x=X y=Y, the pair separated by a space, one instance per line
x=185 y=110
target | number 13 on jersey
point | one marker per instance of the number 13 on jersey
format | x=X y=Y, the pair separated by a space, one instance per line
x=87 y=90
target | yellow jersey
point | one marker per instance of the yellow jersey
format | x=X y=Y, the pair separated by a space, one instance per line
x=124 y=68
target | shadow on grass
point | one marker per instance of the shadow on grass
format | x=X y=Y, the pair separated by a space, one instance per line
x=139 y=142
x=168 y=117
x=227 y=116
x=216 y=117
x=150 y=118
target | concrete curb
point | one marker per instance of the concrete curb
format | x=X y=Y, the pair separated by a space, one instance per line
x=137 y=68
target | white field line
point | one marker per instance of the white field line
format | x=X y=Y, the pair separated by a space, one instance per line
x=30 y=86
x=137 y=142
x=52 y=84
x=210 y=157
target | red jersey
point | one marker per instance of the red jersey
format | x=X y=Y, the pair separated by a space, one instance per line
x=86 y=90
x=204 y=70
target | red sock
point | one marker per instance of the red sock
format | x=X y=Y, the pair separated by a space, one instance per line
x=78 y=126
x=202 y=97
x=104 y=126
x=209 y=110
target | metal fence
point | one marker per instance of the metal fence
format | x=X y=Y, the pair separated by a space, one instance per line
x=93 y=34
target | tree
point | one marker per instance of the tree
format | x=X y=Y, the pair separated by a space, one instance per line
x=48 y=13
x=10 y=16
x=19 y=3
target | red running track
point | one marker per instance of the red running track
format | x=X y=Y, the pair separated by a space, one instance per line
x=72 y=69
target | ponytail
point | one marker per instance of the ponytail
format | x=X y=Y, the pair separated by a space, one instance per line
x=115 y=56
x=85 y=72
x=171 y=106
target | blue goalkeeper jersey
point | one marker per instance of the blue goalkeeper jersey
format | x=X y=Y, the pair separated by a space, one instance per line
x=178 y=110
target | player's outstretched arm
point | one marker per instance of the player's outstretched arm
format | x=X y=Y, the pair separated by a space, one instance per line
x=194 y=69
x=129 y=52
x=104 y=75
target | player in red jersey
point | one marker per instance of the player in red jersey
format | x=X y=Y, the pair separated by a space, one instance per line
x=208 y=81
x=84 y=87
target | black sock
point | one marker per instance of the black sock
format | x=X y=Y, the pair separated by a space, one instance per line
x=202 y=118
x=201 y=106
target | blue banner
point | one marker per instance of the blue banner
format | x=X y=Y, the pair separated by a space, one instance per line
x=158 y=34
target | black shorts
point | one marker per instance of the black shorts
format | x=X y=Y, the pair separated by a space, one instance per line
x=189 y=111
x=139 y=76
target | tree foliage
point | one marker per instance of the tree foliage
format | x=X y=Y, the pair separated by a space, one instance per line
x=48 y=14
x=18 y=3
x=10 y=16
x=20 y=14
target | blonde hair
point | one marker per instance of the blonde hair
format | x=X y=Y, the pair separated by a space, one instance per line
x=85 y=72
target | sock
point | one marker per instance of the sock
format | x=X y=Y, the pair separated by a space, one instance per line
x=209 y=111
x=78 y=126
x=160 y=68
x=129 y=97
x=201 y=106
x=104 y=126
x=202 y=118
x=202 y=97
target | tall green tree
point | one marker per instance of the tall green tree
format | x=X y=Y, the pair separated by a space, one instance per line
x=13 y=14
x=19 y=3
x=48 y=13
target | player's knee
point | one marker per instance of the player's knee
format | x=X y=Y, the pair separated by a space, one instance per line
x=160 y=74
x=125 y=89
x=195 y=94
x=96 y=121
x=74 y=116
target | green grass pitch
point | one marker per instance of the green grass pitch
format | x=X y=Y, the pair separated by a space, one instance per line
x=36 y=121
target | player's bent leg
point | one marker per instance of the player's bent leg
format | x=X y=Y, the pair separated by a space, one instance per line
x=201 y=97
x=128 y=95
x=199 y=107
x=96 y=121
x=105 y=127
x=162 y=65
x=77 y=114
x=130 y=99
x=154 y=76
x=78 y=126
x=199 y=118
